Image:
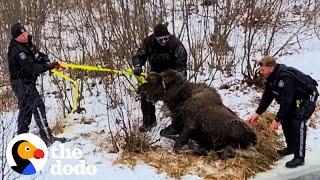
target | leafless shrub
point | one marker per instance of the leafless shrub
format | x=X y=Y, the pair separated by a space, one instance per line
x=7 y=130
x=274 y=27
x=219 y=35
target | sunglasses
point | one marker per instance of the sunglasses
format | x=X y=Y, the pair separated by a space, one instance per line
x=163 y=38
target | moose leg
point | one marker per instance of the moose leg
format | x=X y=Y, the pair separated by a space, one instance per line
x=227 y=152
x=173 y=129
x=184 y=136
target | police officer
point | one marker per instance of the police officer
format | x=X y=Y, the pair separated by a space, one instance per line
x=163 y=51
x=26 y=63
x=297 y=95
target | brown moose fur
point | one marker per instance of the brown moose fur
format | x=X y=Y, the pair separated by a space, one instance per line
x=198 y=113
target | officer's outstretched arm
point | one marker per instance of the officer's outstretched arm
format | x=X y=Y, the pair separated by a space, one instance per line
x=41 y=68
x=139 y=60
x=265 y=101
x=29 y=66
x=181 y=59
x=42 y=57
x=141 y=56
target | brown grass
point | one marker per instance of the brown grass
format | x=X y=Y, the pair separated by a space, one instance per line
x=315 y=118
x=136 y=143
x=246 y=163
x=7 y=99
x=58 y=127
x=62 y=125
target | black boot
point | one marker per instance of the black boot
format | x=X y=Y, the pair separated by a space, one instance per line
x=295 y=162
x=47 y=141
x=284 y=152
x=62 y=139
x=54 y=138
x=168 y=131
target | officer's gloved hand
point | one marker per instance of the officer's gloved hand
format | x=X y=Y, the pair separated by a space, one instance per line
x=137 y=70
x=57 y=65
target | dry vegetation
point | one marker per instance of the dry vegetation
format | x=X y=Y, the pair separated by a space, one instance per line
x=245 y=164
x=315 y=118
x=219 y=35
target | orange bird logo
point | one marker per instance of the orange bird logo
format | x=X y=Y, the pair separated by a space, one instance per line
x=22 y=151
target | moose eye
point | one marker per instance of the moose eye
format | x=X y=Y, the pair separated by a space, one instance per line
x=27 y=148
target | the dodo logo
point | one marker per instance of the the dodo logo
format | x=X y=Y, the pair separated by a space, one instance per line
x=27 y=154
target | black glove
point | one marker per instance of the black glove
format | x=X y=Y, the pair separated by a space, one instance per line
x=137 y=70
x=57 y=65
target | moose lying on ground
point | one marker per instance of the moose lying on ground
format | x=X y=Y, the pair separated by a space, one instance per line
x=197 y=113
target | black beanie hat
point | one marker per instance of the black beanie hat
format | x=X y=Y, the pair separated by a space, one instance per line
x=161 y=30
x=17 y=29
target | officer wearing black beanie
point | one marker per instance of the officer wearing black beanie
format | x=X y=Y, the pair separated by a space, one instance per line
x=163 y=51
x=161 y=30
x=17 y=30
x=26 y=63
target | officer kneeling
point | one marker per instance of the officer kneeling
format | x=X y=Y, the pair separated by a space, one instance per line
x=297 y=95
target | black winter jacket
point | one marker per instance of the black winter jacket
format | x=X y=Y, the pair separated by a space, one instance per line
x=26 y=63
x=172 y=56
x=286 y=85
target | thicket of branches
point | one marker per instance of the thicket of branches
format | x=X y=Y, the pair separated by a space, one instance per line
x=219 y=35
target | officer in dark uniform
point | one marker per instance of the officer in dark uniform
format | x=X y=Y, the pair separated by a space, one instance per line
x=297 y=95
x=26 y=63
x=163 y=51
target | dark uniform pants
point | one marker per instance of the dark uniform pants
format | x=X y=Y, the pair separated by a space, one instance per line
x=148 y=111
x=30 y=103
x=294 y=128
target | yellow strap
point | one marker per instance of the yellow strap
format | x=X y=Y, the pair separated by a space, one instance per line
x=75 y=84
x=90 y=68
x=128 y=72
x=141 y=79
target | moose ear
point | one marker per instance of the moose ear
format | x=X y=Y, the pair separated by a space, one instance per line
x=170 y=76
x=153 y=76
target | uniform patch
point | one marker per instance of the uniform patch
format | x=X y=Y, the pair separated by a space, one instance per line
x=22 y=56
x=36 y=55
x=280 y=84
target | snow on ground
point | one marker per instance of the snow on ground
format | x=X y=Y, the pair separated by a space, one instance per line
x=312 y=162
x=240 y=101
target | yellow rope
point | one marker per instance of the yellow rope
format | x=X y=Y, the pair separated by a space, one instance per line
x=128 y=72
x=75 y=84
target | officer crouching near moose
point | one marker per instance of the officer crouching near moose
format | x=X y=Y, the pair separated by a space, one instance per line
x=297 y=95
